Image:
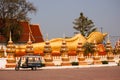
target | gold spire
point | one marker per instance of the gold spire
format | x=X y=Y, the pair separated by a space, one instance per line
x=63 y=35
x=29 y=47
x=108 y=39
x=79 y=46
x=47 y=46
x=47 y=37
x=94 y=42
x=10 y=38
x=47 y=41
x=29 y=37
x=29 y=40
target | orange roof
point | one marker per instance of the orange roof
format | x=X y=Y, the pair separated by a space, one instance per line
x=36 y=35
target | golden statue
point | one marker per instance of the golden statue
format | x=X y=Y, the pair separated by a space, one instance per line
x=71 y=42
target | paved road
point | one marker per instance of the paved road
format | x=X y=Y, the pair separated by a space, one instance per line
x=95 y=73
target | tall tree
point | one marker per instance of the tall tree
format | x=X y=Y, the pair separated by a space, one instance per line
x=11 y=12
x=84 y=25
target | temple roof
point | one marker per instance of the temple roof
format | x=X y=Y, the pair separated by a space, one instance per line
x=33 y=29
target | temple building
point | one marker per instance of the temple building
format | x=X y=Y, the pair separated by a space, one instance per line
x=33 y=29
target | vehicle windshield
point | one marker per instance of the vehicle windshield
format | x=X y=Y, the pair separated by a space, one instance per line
x=33 y=59
x=30 y=59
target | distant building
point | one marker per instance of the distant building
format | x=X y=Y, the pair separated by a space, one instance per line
x=33 y=29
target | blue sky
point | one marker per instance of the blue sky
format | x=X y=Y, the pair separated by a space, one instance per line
x=55 y=17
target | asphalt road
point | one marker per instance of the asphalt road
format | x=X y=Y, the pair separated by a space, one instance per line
x=95 y=73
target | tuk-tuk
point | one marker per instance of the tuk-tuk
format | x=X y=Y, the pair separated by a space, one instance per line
x=29 y=61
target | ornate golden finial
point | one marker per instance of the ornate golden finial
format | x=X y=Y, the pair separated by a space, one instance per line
x=29 y=47
x=47 y=47
x=64 y=48
x=29 y=39
x=10 y=38
x=80 y=48
x=108 y=39
x=10 y=53
x=47 y=41
x=63 y=35
x=110 y=55
x=94 y=42
x=80 y=44
x=46 y=36
x=63 y=41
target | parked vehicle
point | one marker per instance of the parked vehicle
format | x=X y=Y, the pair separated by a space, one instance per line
x=29 y=61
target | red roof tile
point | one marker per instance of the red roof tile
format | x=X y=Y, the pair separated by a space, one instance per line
x=36 y=35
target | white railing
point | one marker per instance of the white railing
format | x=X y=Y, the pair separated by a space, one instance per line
x=2 y=63
x=57 y=59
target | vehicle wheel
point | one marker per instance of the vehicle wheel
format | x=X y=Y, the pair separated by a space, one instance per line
x=33 y=68
x=16 y=68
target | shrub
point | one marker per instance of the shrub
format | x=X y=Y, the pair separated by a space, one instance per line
x=104 y=62
x=119 y=63
x=74 y=63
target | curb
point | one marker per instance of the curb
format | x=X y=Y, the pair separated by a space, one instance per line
x=66 y=67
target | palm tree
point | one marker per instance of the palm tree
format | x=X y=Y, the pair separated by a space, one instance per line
x=84 y=25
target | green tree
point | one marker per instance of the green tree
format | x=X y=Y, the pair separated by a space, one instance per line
x=88 y=48
x=84 y=25
x=11 y=13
